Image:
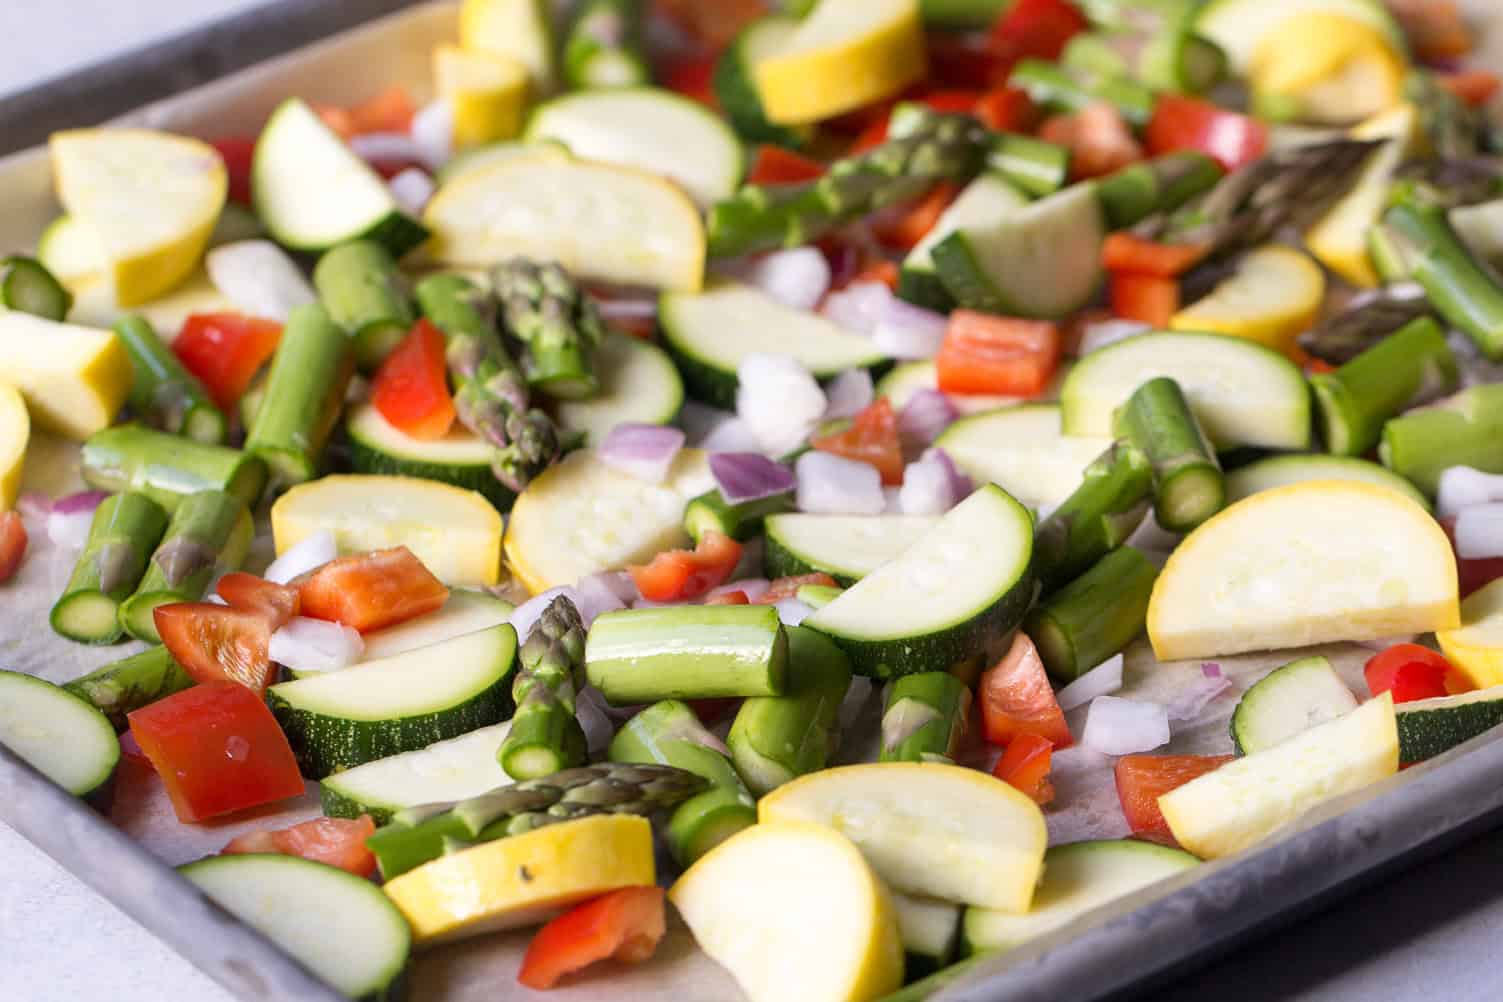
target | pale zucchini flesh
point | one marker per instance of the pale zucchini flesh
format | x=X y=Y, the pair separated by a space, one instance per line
x=846 y=547
x=1288 y=701
x=60 y=735
x=1024 y=451
x=451 y=770
x=638 y=385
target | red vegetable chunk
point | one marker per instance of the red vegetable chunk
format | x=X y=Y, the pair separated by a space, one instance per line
x=238 y=154
x=679 y=575
x=225 y=351
x=334 y=841
x=872 y=438
x=1025 y=765
x=12 y=544
x=1016 y=699
x=1143 y=779
x=218 y=643
x=1187 y=123
x=983 y=353
x=278 y=603
x=624 y=925
x=372 y=590
x=411 y=389
x=1409 y=671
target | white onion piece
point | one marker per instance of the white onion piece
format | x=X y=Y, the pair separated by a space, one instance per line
x=433 y=133
x=1462 y=487
x=960 y=484
x=315 y=551
x=69 y=529
x=259 y=278
x=797 y=278
x=907 y=343
x=848 y=394
x=730 y=435
x=793 y=612
x=600 y=593
x=629 y=308
x=304 y=644
x=834 y=485
x=699 y=420
x=1104 y=332
x=1192 y=699
x=594 y=720
x=643 y=451
x=752 y=588
x=892 y=498
x=779 y=401
x=388 y=148
x=1102 y=680
x=524 y=616
x=859 y=307
x=1479 y=532
x=412 y=189
x=34 y=506
x=926 y=488
x=1117 y=726
x=924 y=416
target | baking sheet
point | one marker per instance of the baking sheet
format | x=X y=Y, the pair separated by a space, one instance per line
x=1192 y=915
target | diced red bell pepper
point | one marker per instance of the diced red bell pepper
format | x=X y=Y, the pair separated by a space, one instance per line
x=225 y=351
x=371 y=590
x=1007 y=109
x=1025 y=765
x=277 y=603
x=782 y=588
x=238 y=153
x=411 y=388
x=391 y=110
x=737 y=597
x=1188 y=123
x=1409 y=671
x=1147 y=299
x=12 y=544
x=1472 y=573
x=905 y=231
x=218 y=749
x=1124 y=252
x=218 y=643
x=1143 y=779
x=693 y=77
x=712 y=711
x=333 y=841
x=1473 y=87
x=775 y=165
x=965 y=60
x=1036 y=29
x=882 y=271
x=1098 y=138
x=713 y=25
x=624 y=925
x=985 y=353
x=871 y=438
x=869 y=138
x=1437 y=29
x=1016 y=698
x=679 y=575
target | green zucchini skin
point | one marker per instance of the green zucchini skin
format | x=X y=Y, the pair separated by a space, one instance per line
x=368 y=457
x=1431 y=727
x=780 y=562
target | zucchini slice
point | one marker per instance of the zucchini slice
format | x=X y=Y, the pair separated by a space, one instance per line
x=647 y=128
x=1242 y=392
x=846 y=547
x=456 y=769
x=930 y=931
x=466 y=611
x=1430 y=727
x=460 y=458
x=1023 y=451
x=987 y=201
x=296 y=903
x=346 y=718
x=1288 y=701
x=638 y=384
x=1279 y=471
x=947 y=600
x=735 y=82
x=711 y=332
x=65 y=738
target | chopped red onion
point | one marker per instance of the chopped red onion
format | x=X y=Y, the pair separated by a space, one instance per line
x=909 y=332
x=1479 y=531
x=926 y=488
x=749 y=476
x=752 y=588
x=1104 y=332
x=82 y=502
x=433 y=133
x=315 y=551
x=924 y=416
x=604 y=592
x=34 y=506
x=1116 y=726
x=834 y=485
x=1194 y=697
x=859 y=307
x=1210 y=669
x=1462 y=487
x=259 y=278
x=797 y=278
x=644 y=451
x=779 y=401
x=1102 y=680
x=304 y=644
x=793 y=612
x=848 y=394
x=412 y=188
x=70 y=529
x=526 y=615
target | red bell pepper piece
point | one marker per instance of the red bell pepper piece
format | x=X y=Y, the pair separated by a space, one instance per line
x=371 y=590
x=1007 y=109
x=985 y=353
x=225 y=351
x=1147 y=299
x=1143 y=779
x=1474 y=572
x=678 y=575
x=966 y=60
x=218 y=749
x=624 y=925
x=332 y=841
x=277 y=603
x=1409 y=671
x=905 y=231
x=411 y=388
x=392 y=110
x=737 y=597
x=1436 y=29
x=1097 y=137
x=1473 y=87
x=782 y=588
x=693 y=77
x=775 y=165
x=1036 y=29
x=1025 y=765
x=1016 y=698
x=1188 y=123
x=12 y=544
x=238 y=153
x=218 y=643
x=871 y=438
x=1123 y=251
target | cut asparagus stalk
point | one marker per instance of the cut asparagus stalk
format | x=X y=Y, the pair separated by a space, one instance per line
x=1463 y=290
x=1452 y=128
x=925 y=716
x=305 y=391
x=557 y=323
x=167 y=468
x=604 y=46
x=1163 y=184
x=927 y=149
x=1462 y=431
x=490 y=395
x=1050 y=85
x=1187 y=483
x=359 y=284
x=165 y=395
x=1098 y=517
x=209 y=534
x=668 y=733
x=545 y=735
x=125 y=529
x=1364 y=323
x=1094 y=616
x=26 y=285
x=1033 y=165
x=775 y=739
x=710 y=512
x=1408 y=368
x=417 y=835
x=687 y=652
x=129 y=684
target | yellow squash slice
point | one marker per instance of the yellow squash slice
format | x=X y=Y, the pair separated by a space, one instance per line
x=1273 y=295
x=15 y=433
x=74 y=379
x=488 y=92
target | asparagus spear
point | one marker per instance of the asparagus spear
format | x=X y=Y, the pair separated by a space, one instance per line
x=1367 y=320
x=1188 y=486
x=1463 y=290
x=670 y=734
x=545 y=735
x=928 y=148
x=416 y=835
x=775 y=739
x=1463 y=430
x=711 y=512
x=687 y=652
x=925 y=716
x=1036 y=167
x=167 y=468
x=359 y=284
x=1452 y=128
x=1163 y=184
x=209 y=534
x=557 y=323
x=1404 y=370
x=305 y=391
x=165 y=395
x=604 y=46
x=27 y=285
x=1094 y=616
x=125 y=529
x=129 y=684
x=1098 y=517
x=1052 y=86
x=490 y=394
